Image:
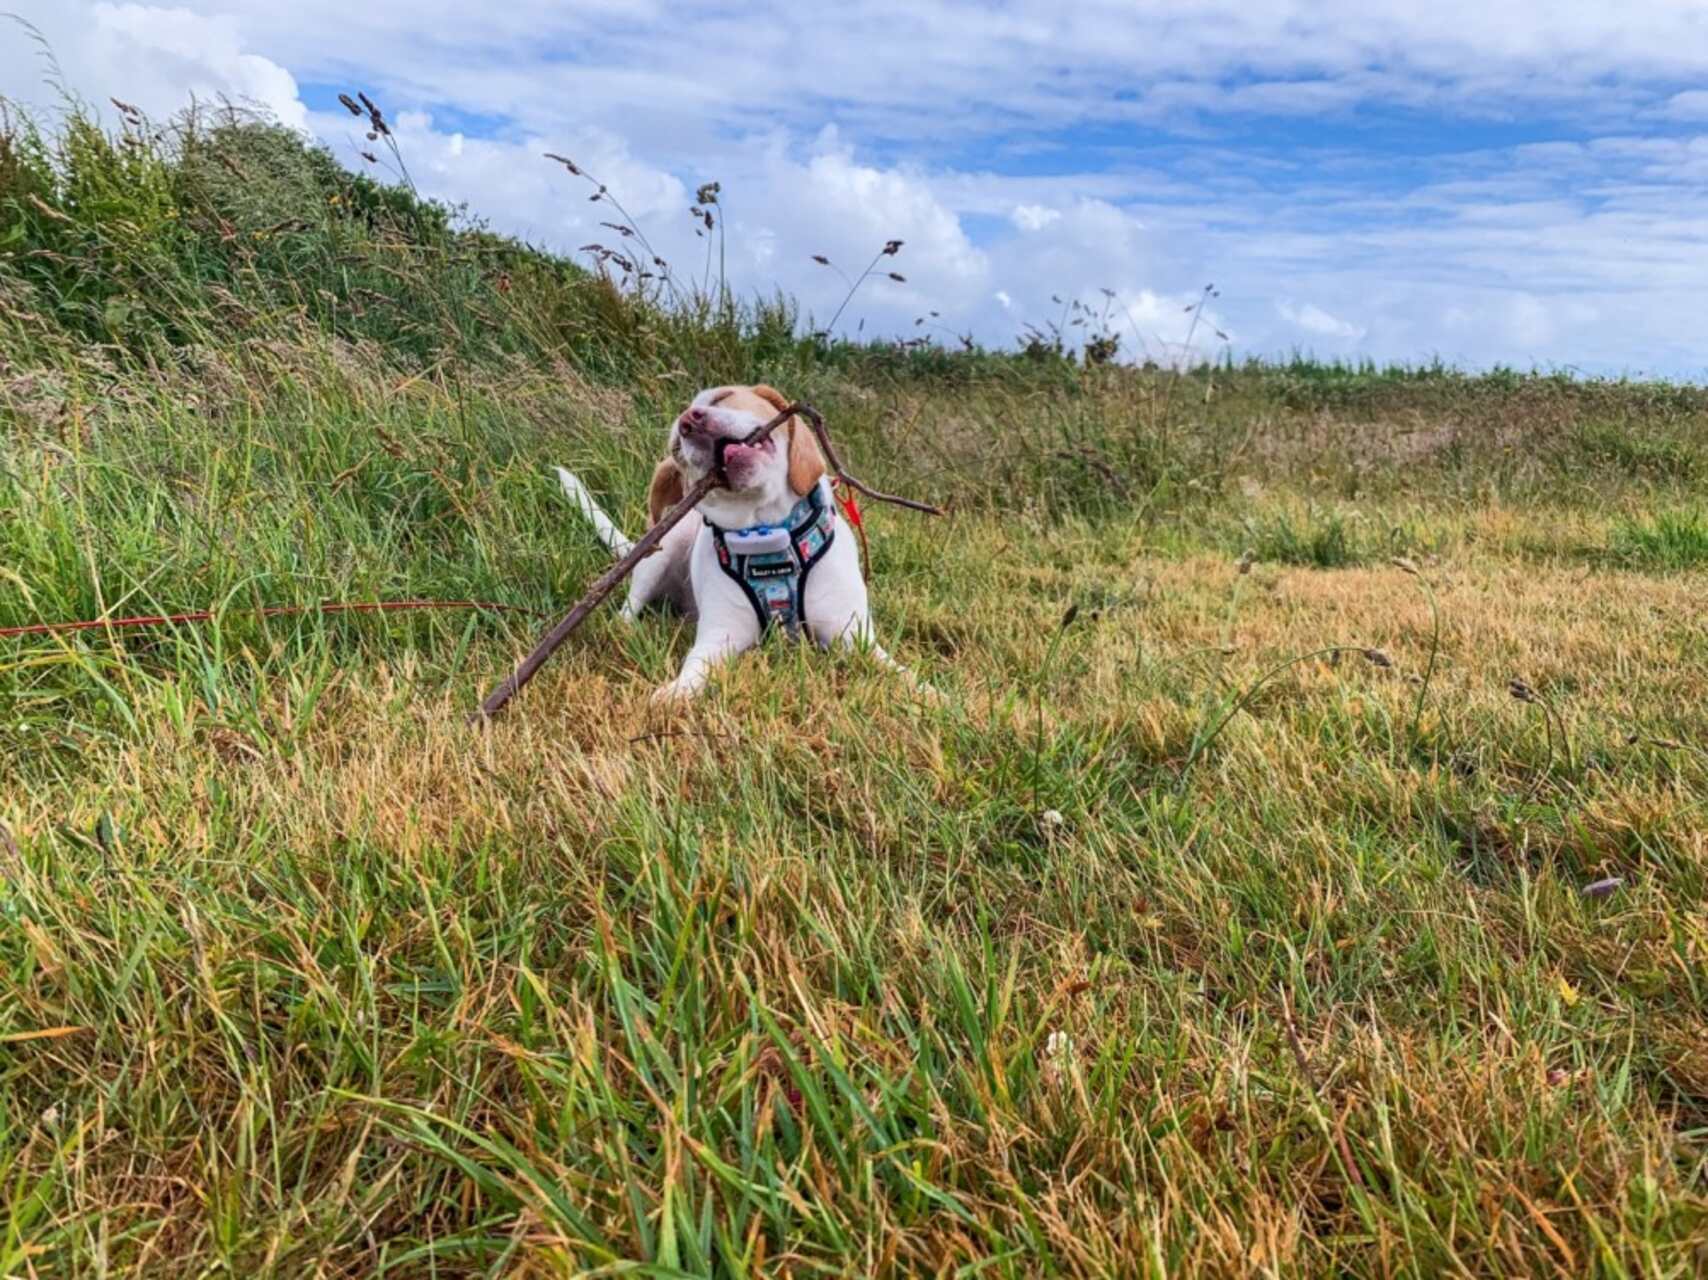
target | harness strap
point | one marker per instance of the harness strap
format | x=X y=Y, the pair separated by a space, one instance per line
x=775 y=581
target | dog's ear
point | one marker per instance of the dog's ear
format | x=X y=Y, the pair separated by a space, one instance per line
x=806 y=463
x=666 y=490
x=771 y=396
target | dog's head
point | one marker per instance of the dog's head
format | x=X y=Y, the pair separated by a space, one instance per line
x=779 y=469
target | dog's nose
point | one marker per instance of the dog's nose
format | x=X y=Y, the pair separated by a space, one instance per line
x=693 y=419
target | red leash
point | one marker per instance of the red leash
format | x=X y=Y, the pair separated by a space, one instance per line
x=851 y=509
x=272 y=611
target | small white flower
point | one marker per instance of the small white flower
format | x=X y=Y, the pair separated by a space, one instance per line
x=1053 y=818
x=1057 y=1064
x=1059 y=1048
x=50 y=1117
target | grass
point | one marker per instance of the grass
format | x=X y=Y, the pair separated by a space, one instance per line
x=1326 y=539
x=1139 y=956
x=1665 y=540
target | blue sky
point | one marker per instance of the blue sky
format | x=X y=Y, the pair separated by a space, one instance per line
x=1519 y=183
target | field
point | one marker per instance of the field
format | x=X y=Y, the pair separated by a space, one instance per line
x=1305 y=874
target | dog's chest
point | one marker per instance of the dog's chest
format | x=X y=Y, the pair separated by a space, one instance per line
x=771 y=564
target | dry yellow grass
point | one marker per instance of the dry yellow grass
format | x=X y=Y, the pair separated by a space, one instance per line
x=827 y=979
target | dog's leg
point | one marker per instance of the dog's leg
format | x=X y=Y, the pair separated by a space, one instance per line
x=929 y=693
x=856 y=633
x=647 y=583
x=839 y=615
x=697 y=668
x=725 y=627
x=663 y=577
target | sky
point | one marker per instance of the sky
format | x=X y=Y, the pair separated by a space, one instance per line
x=1517 y=183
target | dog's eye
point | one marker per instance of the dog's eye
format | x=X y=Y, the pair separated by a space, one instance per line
x=721 y=397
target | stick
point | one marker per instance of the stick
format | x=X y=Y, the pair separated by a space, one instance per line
x=607 y=582
x=811 y=415
x=1316 y=1090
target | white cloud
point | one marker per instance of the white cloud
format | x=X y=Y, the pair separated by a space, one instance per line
x=513 y=184
x=1689 y=105
x=155 y=57
x=1034 y=217
x=783 y=205
x=1314 y=320
x=1518 y=320
x=679 y=74
x=861 y=205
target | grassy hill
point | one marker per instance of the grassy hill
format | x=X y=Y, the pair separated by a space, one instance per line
x=1306 y=875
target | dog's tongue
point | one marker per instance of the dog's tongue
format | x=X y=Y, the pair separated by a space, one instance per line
x=737 y=456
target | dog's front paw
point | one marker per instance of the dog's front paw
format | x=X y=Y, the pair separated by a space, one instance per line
x=924 y=694
x=675 y=693
x=929 y=694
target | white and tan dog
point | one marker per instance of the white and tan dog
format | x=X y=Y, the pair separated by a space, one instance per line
x=764 y=484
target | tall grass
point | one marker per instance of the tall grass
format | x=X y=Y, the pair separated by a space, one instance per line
x=1666 y=540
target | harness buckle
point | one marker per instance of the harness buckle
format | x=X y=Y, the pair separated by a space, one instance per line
x=756 y=542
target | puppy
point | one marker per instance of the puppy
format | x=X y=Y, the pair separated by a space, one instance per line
x=766 y=550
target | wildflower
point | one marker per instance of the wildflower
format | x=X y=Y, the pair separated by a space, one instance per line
x=1058 y=1055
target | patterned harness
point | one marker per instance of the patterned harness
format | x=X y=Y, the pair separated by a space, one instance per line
x=771 y=562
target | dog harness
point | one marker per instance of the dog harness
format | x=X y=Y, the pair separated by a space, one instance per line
x=771 y=562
